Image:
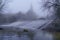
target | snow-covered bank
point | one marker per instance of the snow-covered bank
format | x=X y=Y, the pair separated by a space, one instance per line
x=26 y=24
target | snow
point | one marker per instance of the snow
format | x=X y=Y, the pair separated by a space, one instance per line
x=27 y=24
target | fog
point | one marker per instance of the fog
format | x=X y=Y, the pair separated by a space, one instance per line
x=26 y=20
x=14 y=6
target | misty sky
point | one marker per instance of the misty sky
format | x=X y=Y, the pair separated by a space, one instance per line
x=24 y=5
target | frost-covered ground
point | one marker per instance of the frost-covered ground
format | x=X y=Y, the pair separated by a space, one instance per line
x=28 y=24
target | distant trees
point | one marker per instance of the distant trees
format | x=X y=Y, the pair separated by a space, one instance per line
x=28 y=16
x=20 y=16
x=10 y=18
x=31 y=15
x=5 y=18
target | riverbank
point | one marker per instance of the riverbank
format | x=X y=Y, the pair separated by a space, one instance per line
x=57 y=35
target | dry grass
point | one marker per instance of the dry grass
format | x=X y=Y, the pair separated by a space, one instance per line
x=57 y=35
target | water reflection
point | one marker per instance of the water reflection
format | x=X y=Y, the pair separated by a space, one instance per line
x=37 y=35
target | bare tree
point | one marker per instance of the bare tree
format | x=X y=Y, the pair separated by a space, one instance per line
x=56 y=5
x=2 y=4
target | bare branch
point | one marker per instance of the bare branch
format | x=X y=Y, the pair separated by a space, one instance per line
x=2 y=3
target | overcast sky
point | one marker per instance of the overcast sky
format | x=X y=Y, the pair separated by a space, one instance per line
x=24 y=5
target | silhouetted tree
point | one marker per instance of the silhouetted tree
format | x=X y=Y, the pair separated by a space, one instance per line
x=56 y=5
x=2 y=17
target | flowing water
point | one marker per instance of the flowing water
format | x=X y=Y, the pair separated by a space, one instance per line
x=12 y=35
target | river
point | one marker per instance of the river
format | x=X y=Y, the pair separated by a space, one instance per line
x=12 y=35
x=25 y=30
